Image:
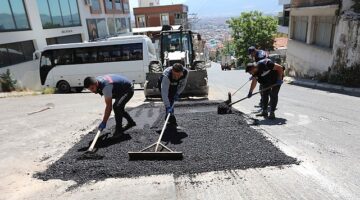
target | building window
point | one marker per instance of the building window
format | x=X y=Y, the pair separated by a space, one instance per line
x=165 y=19
x=141 y=21
x=15 y=53
x=122 y=25
x=96 y=28
x=111 y=26
x=95 y=7
x=118 y=5
x=59 y=13
x=300 y=27
x=13 y=16
x=113 y=6
x=126 y=6
x=64 y=39
x=324 y=31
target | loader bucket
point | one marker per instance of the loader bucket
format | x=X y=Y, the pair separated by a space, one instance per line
x=197 y=85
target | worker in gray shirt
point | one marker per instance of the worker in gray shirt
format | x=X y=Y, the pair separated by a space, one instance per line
x=172 y=83
x=113 y=87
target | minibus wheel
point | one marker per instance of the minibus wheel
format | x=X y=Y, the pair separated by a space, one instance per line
x=63 y=87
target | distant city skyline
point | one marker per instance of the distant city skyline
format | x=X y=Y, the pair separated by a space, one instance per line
x=223 y=8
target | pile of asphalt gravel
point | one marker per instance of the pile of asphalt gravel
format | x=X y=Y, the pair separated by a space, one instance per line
x=209 y=142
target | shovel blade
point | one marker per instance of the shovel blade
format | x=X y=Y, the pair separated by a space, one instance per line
x=155 y=155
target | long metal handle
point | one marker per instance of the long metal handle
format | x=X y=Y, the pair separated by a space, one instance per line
x=163 y=129
x=162 y=132
x=241 y=87
x=94 y=141
x=263 y=90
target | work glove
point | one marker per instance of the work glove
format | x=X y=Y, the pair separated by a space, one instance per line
x=249 y=95
x=279 y=82
x=102 y=126
x=169 y=110
x=176 y=97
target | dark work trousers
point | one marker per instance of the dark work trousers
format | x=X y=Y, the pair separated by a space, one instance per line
x=172 y=92
x=273 y=94
x=119 y=109
x=260 y=88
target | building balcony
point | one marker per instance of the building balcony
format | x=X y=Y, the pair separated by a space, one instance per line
x=284 y=2
x=180 y=21
x=312 y=3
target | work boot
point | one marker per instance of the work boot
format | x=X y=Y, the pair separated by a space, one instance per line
x=263 y=114
x=119 y=132
x=129 y=125
x=272 y=115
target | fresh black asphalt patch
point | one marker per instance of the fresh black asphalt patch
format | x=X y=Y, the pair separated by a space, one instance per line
x=209 y=142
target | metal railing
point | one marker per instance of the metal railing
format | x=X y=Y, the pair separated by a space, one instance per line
x=312 y=3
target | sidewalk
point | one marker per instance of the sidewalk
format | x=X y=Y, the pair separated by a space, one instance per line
x=322 y=86
x=18 y=94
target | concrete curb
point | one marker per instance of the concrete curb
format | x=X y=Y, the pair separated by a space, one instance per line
x=322 y=86
x=17 y=94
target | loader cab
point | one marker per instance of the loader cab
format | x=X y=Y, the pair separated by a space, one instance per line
x=176 y=47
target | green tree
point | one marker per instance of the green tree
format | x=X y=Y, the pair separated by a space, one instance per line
x=229 y=48
x=252 y=29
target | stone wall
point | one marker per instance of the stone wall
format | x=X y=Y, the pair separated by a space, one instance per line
x=347 y=39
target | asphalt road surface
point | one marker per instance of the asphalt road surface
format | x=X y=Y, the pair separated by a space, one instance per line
x=319 y=128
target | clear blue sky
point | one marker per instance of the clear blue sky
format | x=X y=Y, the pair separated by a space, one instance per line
x=213 y=8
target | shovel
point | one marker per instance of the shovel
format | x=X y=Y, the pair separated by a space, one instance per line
x=231 y=95
x=225 y=107
x=90 y=153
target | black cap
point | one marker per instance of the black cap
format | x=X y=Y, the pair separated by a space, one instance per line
x=251 y=49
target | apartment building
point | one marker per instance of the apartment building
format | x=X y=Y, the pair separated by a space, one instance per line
x=30 y=25
x=161 y=15
x=312 y=31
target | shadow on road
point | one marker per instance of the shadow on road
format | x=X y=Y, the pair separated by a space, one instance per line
x=173 y=136
x=268 y=122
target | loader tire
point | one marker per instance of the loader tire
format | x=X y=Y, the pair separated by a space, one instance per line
x=155 y=68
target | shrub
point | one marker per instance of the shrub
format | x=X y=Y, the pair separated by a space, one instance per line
x=8 y=84
x=48 y=90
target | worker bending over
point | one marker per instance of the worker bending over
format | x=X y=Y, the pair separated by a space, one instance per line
x=256 y=55
x=267 y=74
x=172 y=83
x=113 y=87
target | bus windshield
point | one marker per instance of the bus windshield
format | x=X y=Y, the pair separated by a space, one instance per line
x=175 y=42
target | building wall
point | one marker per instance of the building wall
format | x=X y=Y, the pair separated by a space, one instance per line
x=304 y=58
x=37 y=33
x=347 y=41
x=85 y=11
x=27 y=73
x=148 y=3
